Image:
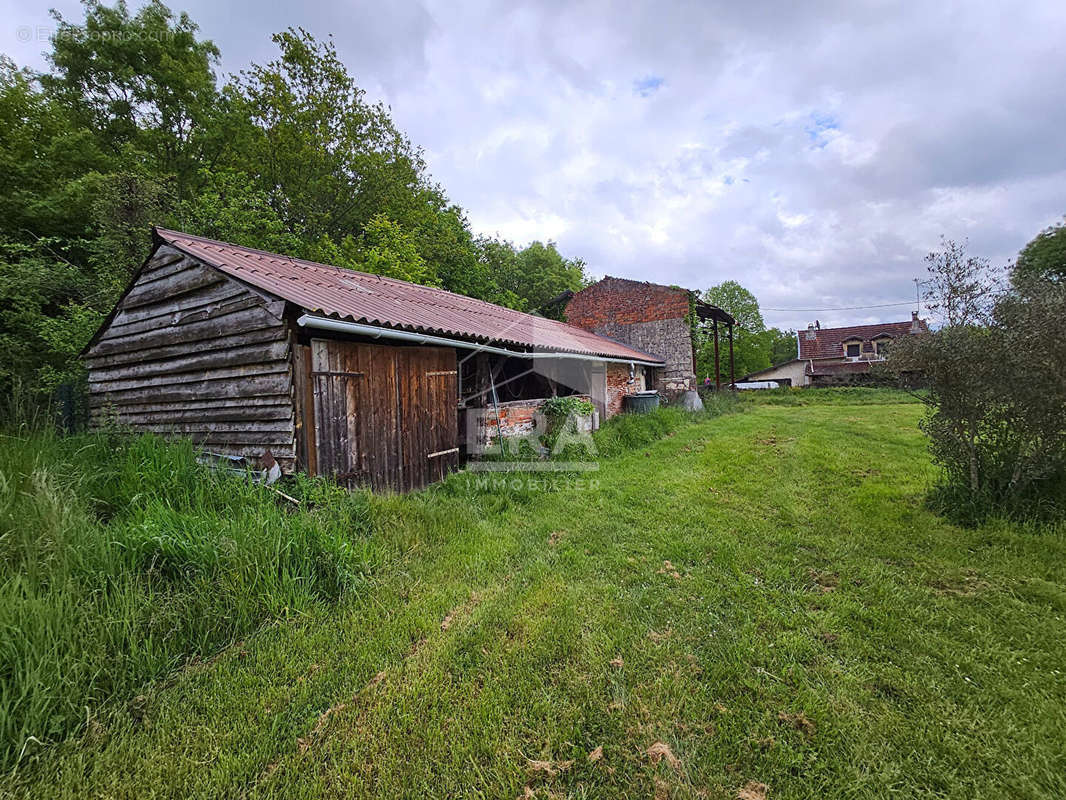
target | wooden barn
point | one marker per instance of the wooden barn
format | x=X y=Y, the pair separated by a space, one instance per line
x=334 y=372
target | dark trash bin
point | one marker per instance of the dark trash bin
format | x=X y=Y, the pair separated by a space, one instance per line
x=641 y=402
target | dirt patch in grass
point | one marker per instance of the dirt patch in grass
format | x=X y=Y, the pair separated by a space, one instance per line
x=304 y=742
x=459 y=611
x=669 y=569
x=887 y=690
x=799 y=721
x=548 y=768
x=866 y=472
x=322 y=722
x=752 y=790
x=763 y=745
x=773 y=441
x=824 y=582
x=968 y=583
x=660 y=751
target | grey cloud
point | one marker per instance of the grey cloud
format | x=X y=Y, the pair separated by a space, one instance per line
x=946 y=119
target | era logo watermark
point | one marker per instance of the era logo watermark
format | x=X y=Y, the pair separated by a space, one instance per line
x=531 y=444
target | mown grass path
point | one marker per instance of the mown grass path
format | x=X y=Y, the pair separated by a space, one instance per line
x=762 y=593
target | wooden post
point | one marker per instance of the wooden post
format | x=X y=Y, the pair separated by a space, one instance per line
x=717 y=371
x=732 y=378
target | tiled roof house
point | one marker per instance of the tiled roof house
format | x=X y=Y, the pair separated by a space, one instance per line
x=826 y=356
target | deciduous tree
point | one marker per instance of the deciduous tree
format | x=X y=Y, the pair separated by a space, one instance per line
x=751 y=343
x=1044 y=257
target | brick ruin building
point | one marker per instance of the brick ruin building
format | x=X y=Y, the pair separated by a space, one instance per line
x=655 y=319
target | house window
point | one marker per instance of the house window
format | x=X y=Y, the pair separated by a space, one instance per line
x=882 y=346
x=853 y=349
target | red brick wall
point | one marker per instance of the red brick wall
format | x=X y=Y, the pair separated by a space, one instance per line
x=516 y=418
x=618 y=386
x=646 y=316
x=624 y=302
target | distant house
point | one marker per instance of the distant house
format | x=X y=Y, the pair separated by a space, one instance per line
x=655 y=319
x=829 y=356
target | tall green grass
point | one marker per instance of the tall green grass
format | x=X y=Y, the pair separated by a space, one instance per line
x=829 y=395
x=122 y=558
x=630 y=431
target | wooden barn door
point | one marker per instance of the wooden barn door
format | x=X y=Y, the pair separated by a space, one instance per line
x=385 y=416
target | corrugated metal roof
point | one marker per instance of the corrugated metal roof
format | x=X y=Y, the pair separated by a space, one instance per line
x=377 y=300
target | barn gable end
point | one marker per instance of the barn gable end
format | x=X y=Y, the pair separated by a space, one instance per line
x=193 y=352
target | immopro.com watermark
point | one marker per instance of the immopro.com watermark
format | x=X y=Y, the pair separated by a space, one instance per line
x=48 y=33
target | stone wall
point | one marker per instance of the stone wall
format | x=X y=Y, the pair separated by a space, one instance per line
x=647 y=316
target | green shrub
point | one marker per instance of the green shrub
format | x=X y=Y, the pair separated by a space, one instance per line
x=996 y=417
x=556 y=408
x=562 y=414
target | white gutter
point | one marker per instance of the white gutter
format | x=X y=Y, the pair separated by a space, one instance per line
x=340 y=326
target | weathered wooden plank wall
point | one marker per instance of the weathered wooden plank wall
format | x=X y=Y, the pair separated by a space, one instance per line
x=191 y=352
x=384 y=416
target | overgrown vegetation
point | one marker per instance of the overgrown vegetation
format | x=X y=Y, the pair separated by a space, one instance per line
x=558 y=408
x=632 y=431
x=761 y=598
x=829 y=396
x=563 y=415
x=122 y=558
x=997 y=389
x=131 y=126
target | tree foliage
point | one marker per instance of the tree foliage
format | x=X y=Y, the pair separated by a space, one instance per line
x=130 y=127
x=1044 y=257
x=751 y=341
x=386 y=249
x=960 y=289
x=782 y=346
x=996 y=387
x=142 y=81
x=327 y=159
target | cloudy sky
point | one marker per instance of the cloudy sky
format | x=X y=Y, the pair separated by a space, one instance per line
x=812 y=151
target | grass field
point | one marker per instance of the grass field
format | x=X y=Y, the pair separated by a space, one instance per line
x=755 y=605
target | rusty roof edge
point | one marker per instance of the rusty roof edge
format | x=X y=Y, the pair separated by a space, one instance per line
x=640 y=355
x=464 y=338
x=169 y=237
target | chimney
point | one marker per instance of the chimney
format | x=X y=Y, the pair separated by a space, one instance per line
x=916 y=324
x=811 y=334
